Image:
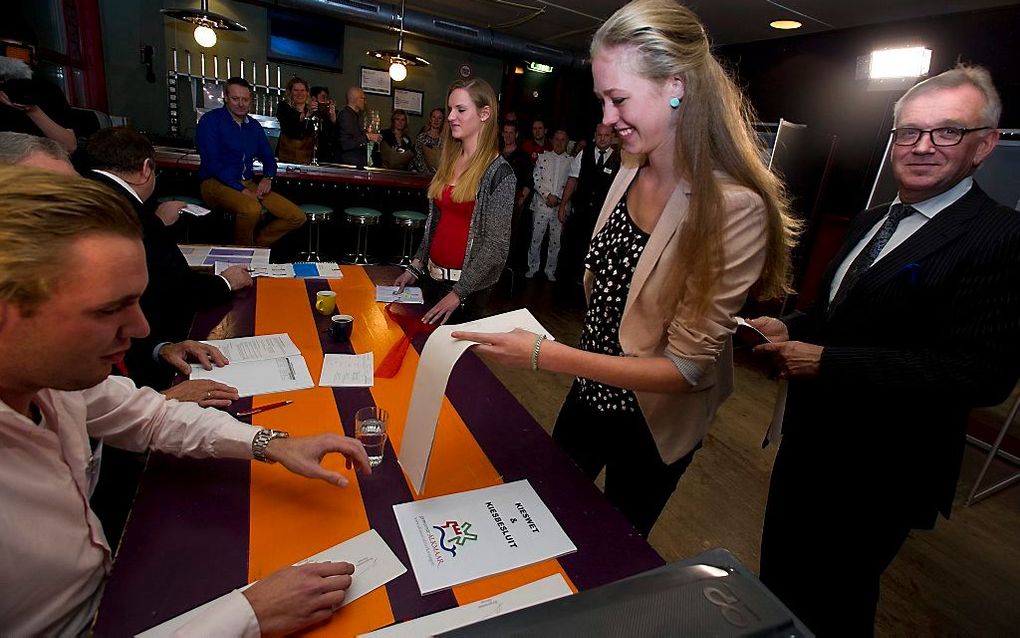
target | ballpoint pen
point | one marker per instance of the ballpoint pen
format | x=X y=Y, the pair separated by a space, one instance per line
x=258 y=410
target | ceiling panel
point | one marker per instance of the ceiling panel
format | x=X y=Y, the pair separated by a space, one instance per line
x=569 y=23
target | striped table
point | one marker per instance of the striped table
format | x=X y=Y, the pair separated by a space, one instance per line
x=200 y=528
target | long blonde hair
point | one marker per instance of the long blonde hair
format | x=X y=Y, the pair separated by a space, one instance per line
x=714 y=132
x=289 y=97
x=487 y=150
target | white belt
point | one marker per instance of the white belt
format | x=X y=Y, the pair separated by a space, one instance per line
x=438 y=272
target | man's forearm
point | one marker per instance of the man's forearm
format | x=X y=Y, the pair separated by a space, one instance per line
x=63 y=136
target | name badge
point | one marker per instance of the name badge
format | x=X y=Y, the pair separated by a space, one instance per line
x=607 y=170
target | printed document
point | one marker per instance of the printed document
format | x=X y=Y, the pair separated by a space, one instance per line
x=389 y=294
x=259 y=365
x=458 y=538
x=348 y=371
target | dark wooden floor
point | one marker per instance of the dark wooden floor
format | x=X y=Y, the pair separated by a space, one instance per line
x=962 y=579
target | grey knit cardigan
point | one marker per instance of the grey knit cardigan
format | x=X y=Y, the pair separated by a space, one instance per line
x=488 y=241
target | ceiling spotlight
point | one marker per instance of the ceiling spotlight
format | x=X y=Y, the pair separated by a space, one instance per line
x=205 y=36
x=398 y=71
x=399 y=60
x=785 y=24
x=205 y=22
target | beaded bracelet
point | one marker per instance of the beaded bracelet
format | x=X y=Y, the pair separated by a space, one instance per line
x=534 y=351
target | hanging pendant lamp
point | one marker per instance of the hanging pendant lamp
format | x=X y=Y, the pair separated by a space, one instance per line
x=206 y=22
x=398 y=59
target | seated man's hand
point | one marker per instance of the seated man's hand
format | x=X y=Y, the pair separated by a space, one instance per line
x=303 y=455
x=238 y=276
x=170 y=212
x=205 y=392
x=178 y=355
x=299 y=596
x=771 y=327
x=265 y=185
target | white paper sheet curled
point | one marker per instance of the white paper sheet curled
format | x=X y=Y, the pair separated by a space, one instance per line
x=438 y=357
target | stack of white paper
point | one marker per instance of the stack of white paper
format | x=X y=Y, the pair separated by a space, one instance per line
x=259 y=365
x=389 y=294
x=540 y=591
x=461 y=537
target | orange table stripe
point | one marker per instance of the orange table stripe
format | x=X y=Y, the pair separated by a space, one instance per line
x=293 y=517
x=457 y=463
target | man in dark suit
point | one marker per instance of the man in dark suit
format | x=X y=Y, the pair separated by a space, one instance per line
x=918 y=321
x=592 y=174
x=352 y=138
x=124 y=160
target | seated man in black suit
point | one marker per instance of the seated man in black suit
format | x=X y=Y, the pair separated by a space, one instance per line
x=917 y=322
x=124 y=160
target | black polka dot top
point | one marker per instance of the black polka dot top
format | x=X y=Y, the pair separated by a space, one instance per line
x=612 y=258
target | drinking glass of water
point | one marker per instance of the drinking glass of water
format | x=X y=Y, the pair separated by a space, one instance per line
x=370 y=429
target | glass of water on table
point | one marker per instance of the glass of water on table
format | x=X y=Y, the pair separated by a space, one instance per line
x=370 y=429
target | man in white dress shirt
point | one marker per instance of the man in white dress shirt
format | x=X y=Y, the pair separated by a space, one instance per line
x=551 y=172
x=72 y=269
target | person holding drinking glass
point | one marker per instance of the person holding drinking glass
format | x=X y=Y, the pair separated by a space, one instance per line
x=471 y=201
x=692 y=221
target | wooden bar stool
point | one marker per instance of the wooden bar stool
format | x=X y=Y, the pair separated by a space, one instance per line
x=362 y=218
x=315 y=214
x=409 y=221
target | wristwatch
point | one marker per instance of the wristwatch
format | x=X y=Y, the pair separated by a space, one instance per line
x=261 y=441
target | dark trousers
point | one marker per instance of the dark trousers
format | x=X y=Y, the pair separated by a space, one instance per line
x=825 y=545
x=638 y=482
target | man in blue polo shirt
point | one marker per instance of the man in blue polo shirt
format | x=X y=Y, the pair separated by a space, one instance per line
x=228 y=140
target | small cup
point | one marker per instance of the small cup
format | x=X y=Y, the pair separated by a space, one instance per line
x=370 y=428
x=325 y=302
x=340 y=327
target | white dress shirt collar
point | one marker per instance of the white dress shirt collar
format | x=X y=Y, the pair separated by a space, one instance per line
x=120 y=181
x=935 y=205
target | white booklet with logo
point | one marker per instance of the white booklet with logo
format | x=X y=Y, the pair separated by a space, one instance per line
x=461 y=537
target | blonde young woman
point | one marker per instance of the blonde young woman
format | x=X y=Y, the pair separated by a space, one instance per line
x=693 y=220
x=428 y=144
x=471 y=201
x=296 y=135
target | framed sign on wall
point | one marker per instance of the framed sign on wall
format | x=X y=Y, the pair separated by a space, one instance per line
x=375 y=81
x=409 y=100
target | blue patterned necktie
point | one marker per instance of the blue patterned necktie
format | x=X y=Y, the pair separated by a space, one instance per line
x=863 y=261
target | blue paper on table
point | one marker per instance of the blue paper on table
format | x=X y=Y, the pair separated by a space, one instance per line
x=304 y=269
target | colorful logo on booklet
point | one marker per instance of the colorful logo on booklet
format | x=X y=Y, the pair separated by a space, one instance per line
x=453 y=535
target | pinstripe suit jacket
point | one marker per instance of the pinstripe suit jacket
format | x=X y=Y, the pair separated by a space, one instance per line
x=929 y=332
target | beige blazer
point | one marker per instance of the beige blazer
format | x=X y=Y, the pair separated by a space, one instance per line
x=655 y=319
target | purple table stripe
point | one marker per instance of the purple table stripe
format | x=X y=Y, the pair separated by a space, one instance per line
x=384 y=488
x=205 y=557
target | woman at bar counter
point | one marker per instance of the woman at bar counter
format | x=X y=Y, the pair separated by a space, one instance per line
x=297 y=138
x=396 y=149
x=693 y=220
x=428 y=144
x=471 y=199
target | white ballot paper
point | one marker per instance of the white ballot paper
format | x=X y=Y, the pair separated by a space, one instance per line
x=437 y=359
x=374 y=565
x=259 y=365
x=540 y=591
x=348 y=371
x=461 y=537
x=410 y=294
x=198 y=255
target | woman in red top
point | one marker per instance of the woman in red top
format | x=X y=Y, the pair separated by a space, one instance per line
x=471 y=198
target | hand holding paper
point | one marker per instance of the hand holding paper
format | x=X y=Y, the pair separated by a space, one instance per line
x=512 y=349
x=298 y=596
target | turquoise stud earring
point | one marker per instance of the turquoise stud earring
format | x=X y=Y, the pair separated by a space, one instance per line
x=674 y=102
